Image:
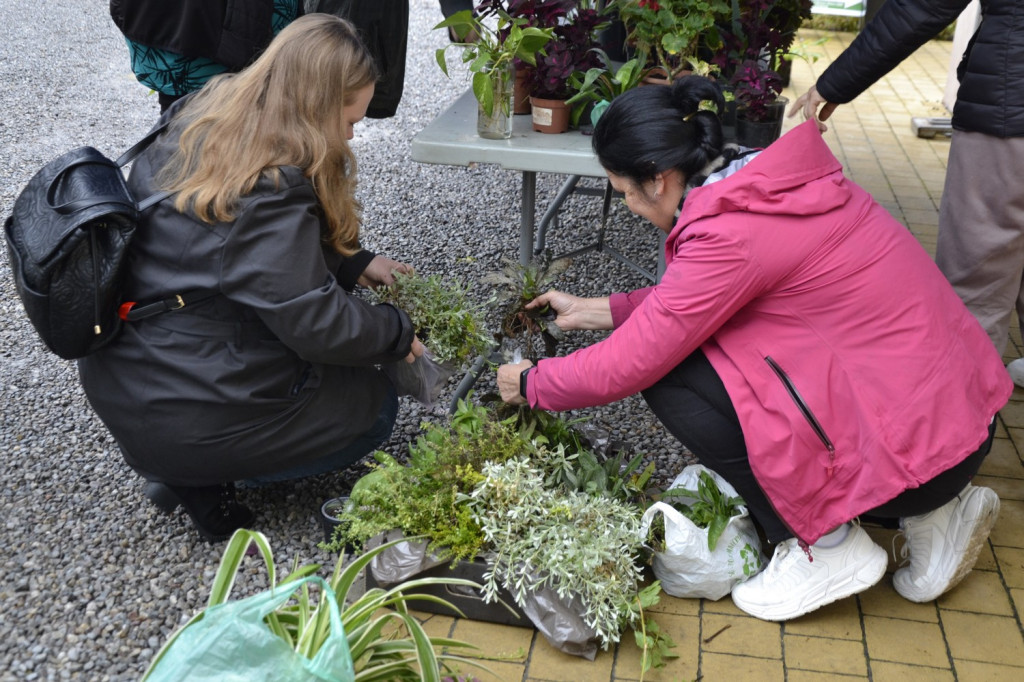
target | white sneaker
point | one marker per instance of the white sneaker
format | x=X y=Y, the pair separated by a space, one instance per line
x=793 y=584
x=944 y=544
x=1016 y=370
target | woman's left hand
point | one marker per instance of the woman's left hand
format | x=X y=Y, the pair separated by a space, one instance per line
x=380 y=272
x=508 y=382
x=416 y=350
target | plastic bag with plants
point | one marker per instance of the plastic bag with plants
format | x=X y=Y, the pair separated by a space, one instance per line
x=703 y=540
x=291 y=632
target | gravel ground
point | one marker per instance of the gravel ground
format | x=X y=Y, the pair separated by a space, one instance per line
x=93 y=579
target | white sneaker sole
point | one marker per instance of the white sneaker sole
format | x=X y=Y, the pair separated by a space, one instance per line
x=981 y=512
x=844 y=584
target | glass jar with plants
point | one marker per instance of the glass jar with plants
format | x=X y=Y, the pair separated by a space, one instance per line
x=759 y=104
x=499 y=40
x=673 y=35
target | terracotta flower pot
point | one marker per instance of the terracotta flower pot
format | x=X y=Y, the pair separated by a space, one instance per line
x=550 y=115
x=521 y=93
x=658 y=76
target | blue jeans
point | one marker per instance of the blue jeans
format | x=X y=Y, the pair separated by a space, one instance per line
x=348 y=455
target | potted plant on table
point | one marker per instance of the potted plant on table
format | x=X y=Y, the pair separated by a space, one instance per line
x=760 y=106
x=672 y=35
x=574 y=27
x=500 y=40
x=601 y=84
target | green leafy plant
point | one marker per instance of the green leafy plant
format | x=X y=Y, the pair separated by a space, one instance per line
x=671 y=33
x=708 y=507
x=491 y=55
x=385 y=641
x=445 y=316
x=424 y=498
x=650 y=638
x=573 y=463
x=513 y=287
x=601 y=84
x=579 y=545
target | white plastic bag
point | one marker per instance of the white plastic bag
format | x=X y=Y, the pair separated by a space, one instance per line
x=424 y=379
x=687 y=568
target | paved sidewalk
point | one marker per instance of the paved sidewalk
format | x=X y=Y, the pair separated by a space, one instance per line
x=973 y=633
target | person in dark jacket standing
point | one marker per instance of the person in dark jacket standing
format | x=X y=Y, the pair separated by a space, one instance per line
x=981 y=218
x=176 y=47
x=273 y=375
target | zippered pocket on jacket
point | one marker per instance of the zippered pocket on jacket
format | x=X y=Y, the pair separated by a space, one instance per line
x=805 y=410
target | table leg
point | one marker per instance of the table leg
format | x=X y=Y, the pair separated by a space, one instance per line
x=526 y=220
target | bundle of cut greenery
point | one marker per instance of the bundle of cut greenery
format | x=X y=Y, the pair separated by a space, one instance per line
x=527 y=494
x=446 y=319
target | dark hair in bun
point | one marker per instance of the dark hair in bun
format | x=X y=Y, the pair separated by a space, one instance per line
x=651 y=129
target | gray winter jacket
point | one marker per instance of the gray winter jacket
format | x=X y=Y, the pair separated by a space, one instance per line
x=275 y=370
x=990 y=99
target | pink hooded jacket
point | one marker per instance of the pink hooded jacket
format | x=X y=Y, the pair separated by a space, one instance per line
x=799 y=288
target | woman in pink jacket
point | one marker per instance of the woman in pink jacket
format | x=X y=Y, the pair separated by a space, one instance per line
x=800 y=342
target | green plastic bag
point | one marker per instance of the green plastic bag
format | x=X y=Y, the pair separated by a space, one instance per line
x=230 y=641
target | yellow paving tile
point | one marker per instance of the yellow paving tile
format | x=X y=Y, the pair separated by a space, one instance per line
x=741 y=635
x=741 y=668
x=986 y=559
x=1009 y=529
x=882 y=600
x=1012 y=414
x=435 y=625
x=883 y=671
x=1003 y=460
x=975 y=637
x=496 y=672
x=823 y=654
x=548 y=663
x=679 y=607
x=496 y=641
x=814 y=676
x=1011 y=565
x=976 y=671
x=839 y=619
x=724 y=606
x=685 y=632
x=979 y=592
x=1007 y=488
x=1017 y=595
x=904 y=641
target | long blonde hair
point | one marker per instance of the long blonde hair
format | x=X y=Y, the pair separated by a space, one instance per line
x=283 y=110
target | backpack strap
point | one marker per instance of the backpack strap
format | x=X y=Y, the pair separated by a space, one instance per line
x=141 y=145
x=130 y=311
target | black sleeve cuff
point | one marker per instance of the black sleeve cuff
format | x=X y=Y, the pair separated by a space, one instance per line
x=352 y=267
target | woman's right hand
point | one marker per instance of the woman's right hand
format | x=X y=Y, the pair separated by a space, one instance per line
x=809 y=103
x=573 y=312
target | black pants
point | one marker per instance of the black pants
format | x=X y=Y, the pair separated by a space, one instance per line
x=692 y=403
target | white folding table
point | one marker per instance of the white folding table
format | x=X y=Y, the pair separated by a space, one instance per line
x=451 y=139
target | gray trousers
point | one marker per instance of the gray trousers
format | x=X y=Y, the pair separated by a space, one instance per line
x=981 y=229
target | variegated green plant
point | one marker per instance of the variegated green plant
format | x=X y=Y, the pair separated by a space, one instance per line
x=386 y=642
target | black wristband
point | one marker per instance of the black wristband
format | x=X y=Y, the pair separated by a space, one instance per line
x=522 y=381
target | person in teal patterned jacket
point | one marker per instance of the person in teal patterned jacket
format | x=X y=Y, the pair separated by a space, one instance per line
x=175 y=48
